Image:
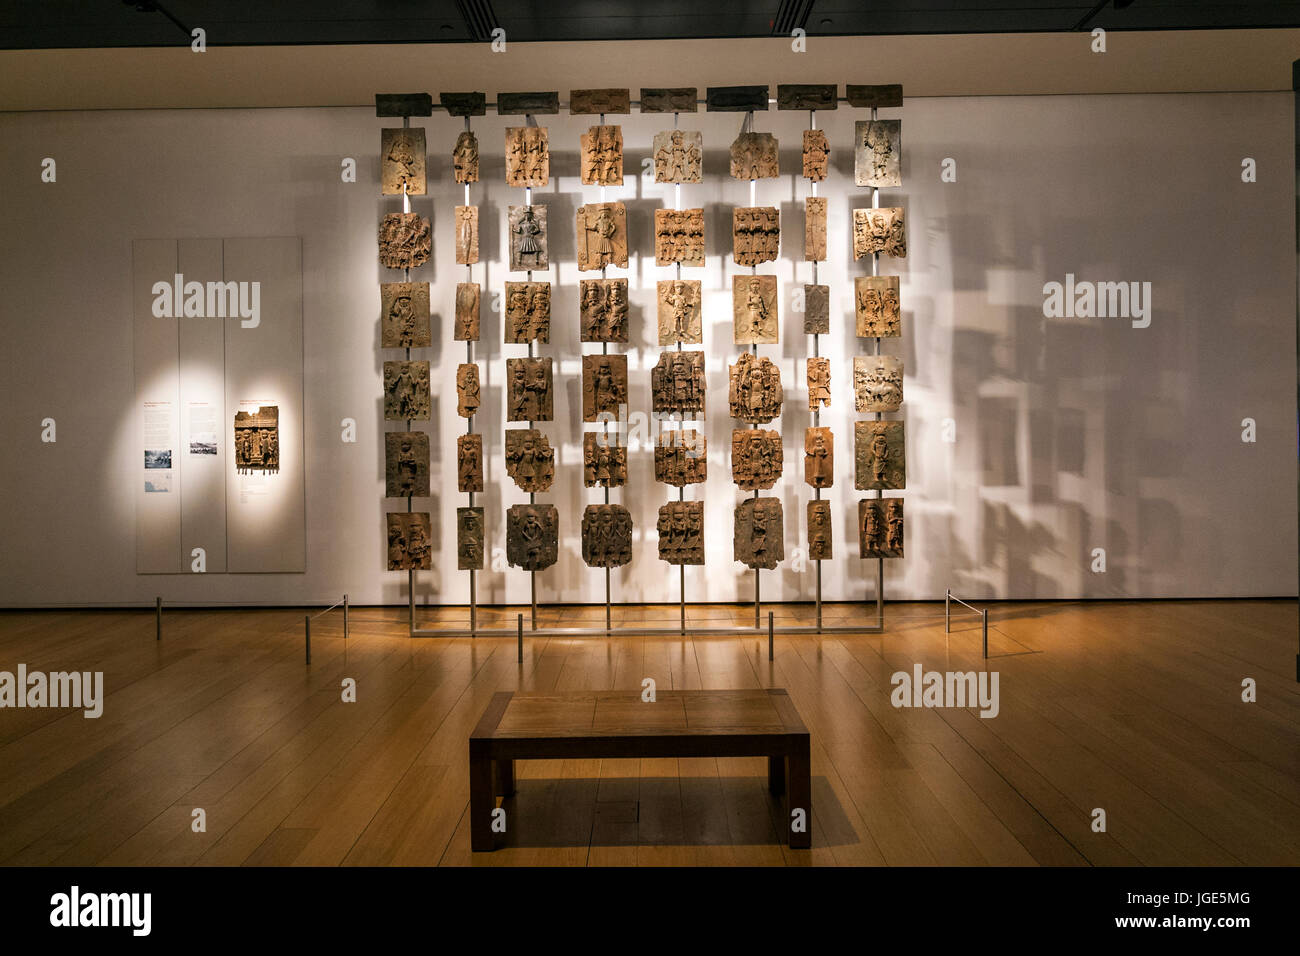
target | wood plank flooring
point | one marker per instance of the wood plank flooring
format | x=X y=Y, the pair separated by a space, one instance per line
x=1134 y=708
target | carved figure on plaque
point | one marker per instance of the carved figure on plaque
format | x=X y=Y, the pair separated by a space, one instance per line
x=406 y=464
x=604 y=462
x=410 y=541
x=681 y=532
x=406 y=392
x=403 y=165
x=755 y=392
x=528 y=156
x=468 y=299
x=606 y=536
x=467 y=390
x=819 y=383
x=528 y=247
x=816 y=309
x=469 y=539
x=528 y=390
x=469 y=463
x=754 y=156
x=601 y=158
x=603 y=310
x=880 y=528
x=753 y=304
x=819 y=457
x=816 y=154
x=679 y=237
x=877 y=153
x=755 y=234
x=814 y=229
x=257 y=440
x=677 y=384
x=758 y=539
x=604 y=386
x=404 y=315
x=879 y=452
x=679 y=311
x=878 y=383
x=757 y=458
x=464 y=158
x=530 y=459
x=532 y=536
x=877 y=307
x=681 y=457
x=820 y=539
x=528 y=312
x=602 y=236
x=879 y=230
x=405 y=240
x=466 y=235
x=678 y=154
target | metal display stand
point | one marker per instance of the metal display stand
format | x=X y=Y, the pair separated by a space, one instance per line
x=681 y=629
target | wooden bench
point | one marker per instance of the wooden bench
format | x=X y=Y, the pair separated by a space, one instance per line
x=679 y=723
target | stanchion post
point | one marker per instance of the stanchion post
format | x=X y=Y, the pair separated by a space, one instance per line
x=532 y=587
x=984 y=614
x=306 y=627
x=520 y=637
x=345 y=617
x=771 y=632
x=157 y=613
x=947 y=610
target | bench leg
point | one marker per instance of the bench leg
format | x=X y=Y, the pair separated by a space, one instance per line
x=481 y=802
x=776 y=775
x=800 y=784
x=505 y=777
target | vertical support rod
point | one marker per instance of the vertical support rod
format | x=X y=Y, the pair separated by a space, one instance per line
x=880 y=592
x=1295 y=85
x=345 y=617
x=607 y=618
x=947 y=610
x=757 y=603
x=473 y=606
x=984 y=614
x=410 y=600
x=681 y=591
x=306 y=627
x=771 y=632
x=157 y=614
x=519 y=637
x=532 y=587
x=819 y=597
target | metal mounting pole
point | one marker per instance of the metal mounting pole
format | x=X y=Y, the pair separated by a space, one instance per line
x=532 y=587
x=157 y=613
x=410 y=599
x=520 y=639
x=984 y=616
x=947 y=610
x=681 y=591
x=771 y=631
x=345 y=617
x=607 y=617
x=473 y=605
x=757 y=604
x=306 y=624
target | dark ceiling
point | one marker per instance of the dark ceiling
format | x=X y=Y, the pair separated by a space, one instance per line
x=45 y=24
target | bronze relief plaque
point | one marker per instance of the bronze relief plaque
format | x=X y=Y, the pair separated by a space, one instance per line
x=606 y=536
x=877 y=153
x=816 y=154
x=469 y=539
x=819 y=457
x=681 y=457
x=604 y=386
x=528 y=246
x=404 y=240
x=757 y=458
x=819 y=383
x=604 y=462
x=679 y=237
x=257 y=440
x=466 y=235
x=677 y=384
x=402 y=168
x=814 y=236
x=406 y=464
x=878 y=383
x=602 y=236
x=528 y=156
x=755 y=234
x=404 y=315
x=754 y=389
x=601 y=156
x=679 y=317
x=469 y=463
x=532 y=536
x=528 y=312
x=406 y=392
x=681 y=532
x=678 y=155
x=754 y=310
x=820 y=539
x=876 y=305
x=530 y=459
x=529 y=395
x=468 y=301
x=878 y=231
x=759 y=533
x=464 y=158
x=754 y=156
x=816 y=309
x=603 y=310
x=880 y=528
x=467 y=390
x=880 y=456
x=410 y=541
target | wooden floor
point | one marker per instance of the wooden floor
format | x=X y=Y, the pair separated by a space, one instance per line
x=1134 y=708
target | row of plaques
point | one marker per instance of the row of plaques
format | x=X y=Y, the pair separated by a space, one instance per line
x=532 y=534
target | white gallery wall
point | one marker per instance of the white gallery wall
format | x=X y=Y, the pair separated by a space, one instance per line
x=1031 y=441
